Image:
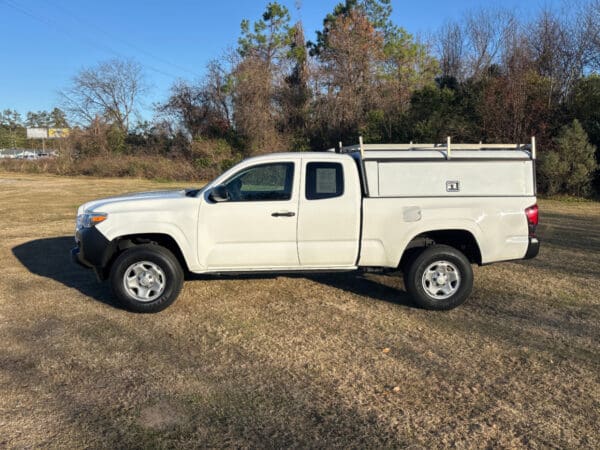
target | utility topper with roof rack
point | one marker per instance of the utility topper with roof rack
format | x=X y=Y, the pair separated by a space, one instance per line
x=429 y=210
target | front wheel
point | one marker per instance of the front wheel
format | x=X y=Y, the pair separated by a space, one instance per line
x=146 y=278
x=439 y=278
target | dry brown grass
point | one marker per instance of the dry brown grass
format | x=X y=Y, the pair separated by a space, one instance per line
x=293 y=361
x=146 y=166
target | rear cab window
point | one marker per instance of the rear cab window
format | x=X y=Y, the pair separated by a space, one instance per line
x=324 y=180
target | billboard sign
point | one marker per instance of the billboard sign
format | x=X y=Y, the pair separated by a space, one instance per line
x=58 y=133
x=37 y=133
x=47 y=133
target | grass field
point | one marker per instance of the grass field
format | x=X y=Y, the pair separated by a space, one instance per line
x=317 y=361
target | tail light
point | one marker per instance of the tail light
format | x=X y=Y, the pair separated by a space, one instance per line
x=532 y=218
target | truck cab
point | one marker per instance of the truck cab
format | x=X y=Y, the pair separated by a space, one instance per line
x=284 y=211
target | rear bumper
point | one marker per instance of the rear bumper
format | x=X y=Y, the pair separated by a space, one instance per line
x=533 y=248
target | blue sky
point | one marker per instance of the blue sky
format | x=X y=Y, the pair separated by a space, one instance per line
x=45 y=42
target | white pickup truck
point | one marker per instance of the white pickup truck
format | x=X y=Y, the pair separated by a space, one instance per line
x=428 y=210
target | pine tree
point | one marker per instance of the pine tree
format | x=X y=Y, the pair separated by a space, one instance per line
x=570 y=167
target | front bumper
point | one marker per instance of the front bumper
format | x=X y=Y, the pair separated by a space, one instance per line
x=92 y=250
x=533 y=248
x=77 y=258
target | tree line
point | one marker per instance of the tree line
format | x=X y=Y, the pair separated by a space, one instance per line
x=490 y=77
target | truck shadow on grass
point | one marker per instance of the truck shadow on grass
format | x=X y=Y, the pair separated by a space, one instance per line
x=359 y=284
x=51 y=258
x=353 y=282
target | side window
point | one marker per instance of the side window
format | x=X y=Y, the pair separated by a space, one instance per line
x=266 y=182
x=324 y=180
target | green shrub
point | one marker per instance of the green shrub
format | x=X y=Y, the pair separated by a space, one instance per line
x=568 y=169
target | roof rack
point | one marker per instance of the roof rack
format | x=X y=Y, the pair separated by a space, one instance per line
x=448 y=147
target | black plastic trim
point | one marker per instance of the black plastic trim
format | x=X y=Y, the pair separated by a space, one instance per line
x=450 y=195
x=362 y=171
x=533 y=248
x=453 y=160
x=76 y=258
x=93 y=250
x=360 y=231
x=274 y=271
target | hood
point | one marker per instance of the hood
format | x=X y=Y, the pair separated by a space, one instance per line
x=98 y=205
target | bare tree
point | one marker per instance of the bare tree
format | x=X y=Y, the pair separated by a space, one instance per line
x=469 y=49
x=565 y=45
x=259 y=76
x=110 y=90
x=547 y=41
x=585 y=30
x=218 y=88
x=486 y=32
x=451 y=51
x=255 y=114
x=593 y=26
x=204 y=109
x=294 y=95
x=348 y=74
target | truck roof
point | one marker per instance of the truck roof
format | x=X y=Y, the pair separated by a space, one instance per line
x=303 y=155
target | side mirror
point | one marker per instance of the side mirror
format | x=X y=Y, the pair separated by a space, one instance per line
x=219 y=194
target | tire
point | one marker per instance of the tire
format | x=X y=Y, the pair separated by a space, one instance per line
x=439 y=278
x=146 y=278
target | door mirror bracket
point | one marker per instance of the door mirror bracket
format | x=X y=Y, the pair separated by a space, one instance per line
x=219 y=194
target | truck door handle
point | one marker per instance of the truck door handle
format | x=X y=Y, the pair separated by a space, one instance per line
x=284 y=214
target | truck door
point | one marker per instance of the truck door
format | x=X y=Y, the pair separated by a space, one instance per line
x=256 y=227
x=329 y=214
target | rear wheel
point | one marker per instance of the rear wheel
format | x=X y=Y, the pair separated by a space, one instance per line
x=439 y=278
x=146 y=278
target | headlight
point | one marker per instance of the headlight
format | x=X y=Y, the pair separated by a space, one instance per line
x=88 y=220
